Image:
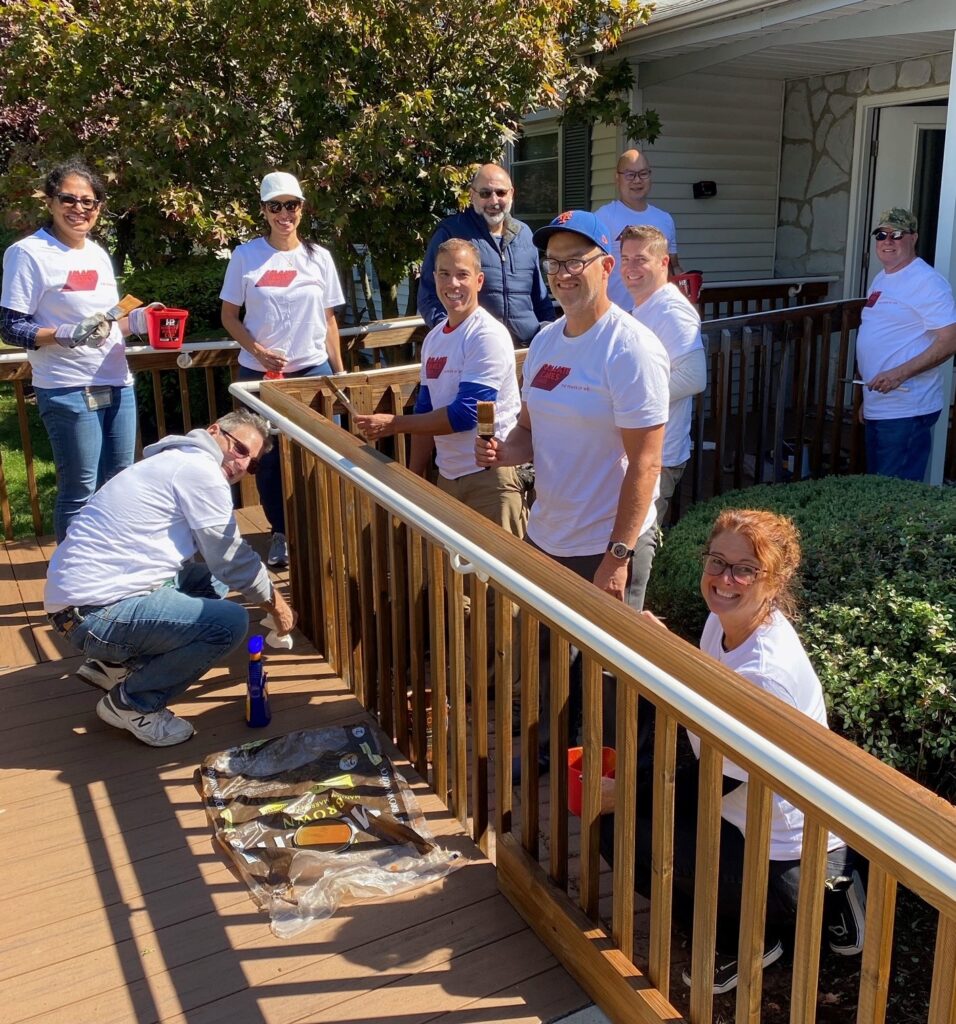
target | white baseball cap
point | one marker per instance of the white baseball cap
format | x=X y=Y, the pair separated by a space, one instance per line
x=280 y=183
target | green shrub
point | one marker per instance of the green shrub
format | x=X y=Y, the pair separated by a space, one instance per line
x=193 y=283
x=878 y=607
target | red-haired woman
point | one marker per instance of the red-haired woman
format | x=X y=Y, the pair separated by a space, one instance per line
x=749 y=567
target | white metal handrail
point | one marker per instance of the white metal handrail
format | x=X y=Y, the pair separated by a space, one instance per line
x=883 y=833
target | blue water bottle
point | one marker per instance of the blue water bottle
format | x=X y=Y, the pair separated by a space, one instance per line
x=258 y=712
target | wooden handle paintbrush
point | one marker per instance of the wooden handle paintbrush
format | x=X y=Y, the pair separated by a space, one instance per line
x=124 y=307
x=486 y=421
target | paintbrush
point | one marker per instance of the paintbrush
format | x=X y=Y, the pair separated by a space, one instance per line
x=124 y=307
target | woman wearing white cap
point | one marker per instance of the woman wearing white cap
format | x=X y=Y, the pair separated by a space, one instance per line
x=289 y=287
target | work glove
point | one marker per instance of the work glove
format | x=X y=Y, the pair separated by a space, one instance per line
x=91 y=332
x=137 y=319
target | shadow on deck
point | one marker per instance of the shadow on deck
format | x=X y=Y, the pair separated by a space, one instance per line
x=121 y=907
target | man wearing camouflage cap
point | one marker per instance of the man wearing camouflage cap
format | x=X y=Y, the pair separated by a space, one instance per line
x=907 y=334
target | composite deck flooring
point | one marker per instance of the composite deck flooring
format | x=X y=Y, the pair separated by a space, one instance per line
x=120 y=907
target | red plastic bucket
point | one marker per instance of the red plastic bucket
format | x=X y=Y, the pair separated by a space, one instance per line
x=166 y=327
x=576 y=770
x=690 y=283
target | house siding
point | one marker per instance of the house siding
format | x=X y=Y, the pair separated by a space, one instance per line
x=715 y=128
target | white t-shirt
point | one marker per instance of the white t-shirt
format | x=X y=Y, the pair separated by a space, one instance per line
x=478 y=351
x=617 y=216
x=136 y=532
x=901 y=311
x=581 y=392
x=773 y=659
x=56 y=285
x=286 y=295
x=677 y=324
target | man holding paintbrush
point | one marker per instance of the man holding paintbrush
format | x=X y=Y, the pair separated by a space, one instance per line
x=467 y=360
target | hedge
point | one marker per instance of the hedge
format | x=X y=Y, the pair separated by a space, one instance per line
x=878 y=607
x=193 y=283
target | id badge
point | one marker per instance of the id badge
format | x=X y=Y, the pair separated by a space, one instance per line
x=98 y=398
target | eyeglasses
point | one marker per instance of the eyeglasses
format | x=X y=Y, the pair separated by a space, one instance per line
x=573 y=266
x=487 y=193
x=242 y=450
x=742 y=573
x=290 y=205
x=633 y=175
x=881 y=236
x=86 y=202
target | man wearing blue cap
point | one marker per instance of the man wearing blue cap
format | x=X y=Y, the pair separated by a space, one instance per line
x=593 y=411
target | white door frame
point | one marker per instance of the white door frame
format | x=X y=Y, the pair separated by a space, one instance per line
x=858 y=231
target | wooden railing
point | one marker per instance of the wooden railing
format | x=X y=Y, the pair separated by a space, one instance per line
x=381 y=562
x=177 y=397
x=738 y=298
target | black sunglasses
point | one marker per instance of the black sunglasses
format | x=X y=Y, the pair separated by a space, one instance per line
x=881 y=236
x=242 y=450
x=487 y=193
x=290 y=205
x=86 y=202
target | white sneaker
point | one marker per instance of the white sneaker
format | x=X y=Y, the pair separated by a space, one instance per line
x=278 y=551
x=156 y=728
x=103 y=674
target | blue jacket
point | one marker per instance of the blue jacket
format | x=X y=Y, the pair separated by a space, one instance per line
x=514 y=291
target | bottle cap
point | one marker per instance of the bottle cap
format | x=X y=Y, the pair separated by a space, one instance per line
x=255 y=644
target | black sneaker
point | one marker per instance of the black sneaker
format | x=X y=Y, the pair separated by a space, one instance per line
x=846 y=914
x=726 y=972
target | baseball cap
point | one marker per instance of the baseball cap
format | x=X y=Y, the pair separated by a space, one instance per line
x=897 y=217
x=280 y=183
x=581 y=222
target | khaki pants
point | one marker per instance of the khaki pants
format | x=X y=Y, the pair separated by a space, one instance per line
x=496 y=494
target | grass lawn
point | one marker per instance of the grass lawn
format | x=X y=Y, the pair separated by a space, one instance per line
x=14 y=467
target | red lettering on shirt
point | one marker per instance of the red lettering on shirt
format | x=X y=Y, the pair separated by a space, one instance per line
x=276 y=279
x=549 y=377
x=434 y=366
x=871 y=299
x=81 y=281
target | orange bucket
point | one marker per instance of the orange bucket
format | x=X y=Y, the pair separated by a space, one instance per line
x=166 y=327
x=576 y=770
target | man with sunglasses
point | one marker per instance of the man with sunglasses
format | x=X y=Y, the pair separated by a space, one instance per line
x=593 y=413
x=907 y=333
x=125 y=589
x=632 y=179
x=513 y=291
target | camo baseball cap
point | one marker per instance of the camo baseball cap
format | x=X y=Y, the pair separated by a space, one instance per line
x=897 y=217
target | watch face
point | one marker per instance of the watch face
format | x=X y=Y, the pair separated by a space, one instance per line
x=620 y=550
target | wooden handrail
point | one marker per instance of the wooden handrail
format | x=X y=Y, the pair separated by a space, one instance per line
x=647 y=661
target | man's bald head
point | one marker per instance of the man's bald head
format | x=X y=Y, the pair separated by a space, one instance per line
x=633 y=179
x=492 y=195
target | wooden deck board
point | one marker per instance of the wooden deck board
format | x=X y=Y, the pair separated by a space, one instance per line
x=125 y=909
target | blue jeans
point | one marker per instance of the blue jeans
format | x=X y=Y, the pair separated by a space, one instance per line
x=269 y=474
x=167 y=638
x=900 y=447
x=89 y=445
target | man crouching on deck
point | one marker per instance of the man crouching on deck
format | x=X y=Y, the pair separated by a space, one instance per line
x=122 y=587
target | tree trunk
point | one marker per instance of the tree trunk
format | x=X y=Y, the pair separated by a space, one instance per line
x=389 y=293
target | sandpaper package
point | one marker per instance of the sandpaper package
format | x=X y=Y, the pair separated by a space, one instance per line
x=318 y=818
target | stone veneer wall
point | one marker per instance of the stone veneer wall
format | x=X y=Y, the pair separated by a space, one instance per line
x=818 y=128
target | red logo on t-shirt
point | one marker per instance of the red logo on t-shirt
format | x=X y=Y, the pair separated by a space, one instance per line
x=81 y=281
x=549 y=377
x=276 y=279
x=434 y=366
x=871 y=299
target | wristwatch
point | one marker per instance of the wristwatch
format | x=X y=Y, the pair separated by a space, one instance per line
x=619 y=549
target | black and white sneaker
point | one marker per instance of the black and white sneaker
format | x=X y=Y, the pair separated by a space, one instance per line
x=846 y=914
x=102 y=674
x=726 y=972
x=278 y=557
x=156 y=728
